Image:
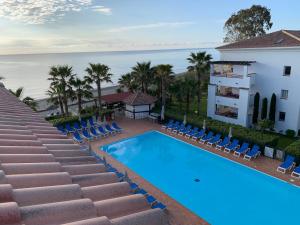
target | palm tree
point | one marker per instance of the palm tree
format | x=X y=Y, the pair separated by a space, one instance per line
x=143 y=74
x=81 y=90
x=188 y=89
x=27 y=100
x=164 y=73
x=200 y=66
x=98 y=73
x=128 y=81
x=60 y=76
x=55 y=97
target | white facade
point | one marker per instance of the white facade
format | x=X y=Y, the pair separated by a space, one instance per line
x=265 y=76
x=138 y=111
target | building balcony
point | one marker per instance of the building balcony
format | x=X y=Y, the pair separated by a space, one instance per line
x=226 y=111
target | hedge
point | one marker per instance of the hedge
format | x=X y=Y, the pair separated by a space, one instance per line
x=294 y=149
x=72 y=119
x=239 y=132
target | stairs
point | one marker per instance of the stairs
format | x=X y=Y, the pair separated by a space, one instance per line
x=46 y=179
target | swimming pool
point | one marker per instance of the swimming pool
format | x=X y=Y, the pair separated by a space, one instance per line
x=227 y=193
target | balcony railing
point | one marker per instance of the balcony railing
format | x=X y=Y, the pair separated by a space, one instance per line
x=230 y=75
x=232 y=115
x=228 y=95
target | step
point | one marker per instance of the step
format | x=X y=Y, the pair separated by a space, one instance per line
x=23 y=150
x=76 y=159
x=68 y=153
x=84 y=169
x=26 y=158
x=106 y=191
x=20 y=143
x=58 y=213
x=53 y=136
x=95 y=221
x=38 y=180
x=147 y=217
x=94 y=179
x=6 y=193
x=13 y=131
x=56 y=141
x=29 y=168
x=17 y=137
x=62 y=146
x=10 y=214
x=122 y=206
x=48 y=194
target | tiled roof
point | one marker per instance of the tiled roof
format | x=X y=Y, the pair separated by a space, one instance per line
x=46 y=179
x=115 y=98
x=139 y=98
x=282 y=38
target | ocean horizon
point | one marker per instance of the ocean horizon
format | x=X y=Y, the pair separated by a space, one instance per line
x=31 y=70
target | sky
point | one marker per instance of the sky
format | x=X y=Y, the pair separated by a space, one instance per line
x=43 y=26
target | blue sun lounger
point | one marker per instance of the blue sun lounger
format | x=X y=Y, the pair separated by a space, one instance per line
x=288 y=164
x=77 y=138
x=178 y=128
x=69 y=128
x=173 y=125
x=234 y=144
x=151 y=200
x=76 y=126
x=192 y=132
x=115 y=126
x=253 y=153
x=223 y=144
x=296 y=172
x=185 y=130
x=216 y=139
x=62 y=129
x=102 y=131
x=91 y=121
x=242 y=150
x=83 y=124
x=87 y=135
x=165 y=126
x=206 y=137
x=109 y=129
x=198 y=135
x=94 y=132
x=159 y=205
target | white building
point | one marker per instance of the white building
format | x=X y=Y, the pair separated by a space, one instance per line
x=139 y=105
x=268 y=64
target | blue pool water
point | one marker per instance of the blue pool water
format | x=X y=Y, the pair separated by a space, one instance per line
x=227 y=193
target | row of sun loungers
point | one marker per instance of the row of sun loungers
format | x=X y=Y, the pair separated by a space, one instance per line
x=210 y=139
x=89 y=130
x=227 y=146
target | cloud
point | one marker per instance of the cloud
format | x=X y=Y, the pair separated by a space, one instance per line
x=150 y=26
x=42 y=11
x=102 y=9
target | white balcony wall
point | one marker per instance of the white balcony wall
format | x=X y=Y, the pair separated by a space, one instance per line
x=245 y=82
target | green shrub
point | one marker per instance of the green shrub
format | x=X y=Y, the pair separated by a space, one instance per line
x=294 y=149
x=290 y=133
x=256 y=108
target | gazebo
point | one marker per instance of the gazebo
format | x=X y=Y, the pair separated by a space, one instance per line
x=139 y=105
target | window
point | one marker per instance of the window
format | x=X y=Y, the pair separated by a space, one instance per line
x=284 y=94
x=287 y=71
x=281 y=116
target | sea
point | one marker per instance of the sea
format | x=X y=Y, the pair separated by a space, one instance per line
x=30 y=71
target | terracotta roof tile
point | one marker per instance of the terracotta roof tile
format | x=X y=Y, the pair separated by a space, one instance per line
x=139 y=98
x=115 y=98
x=282 y=38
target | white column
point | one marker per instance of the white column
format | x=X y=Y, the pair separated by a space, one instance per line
x=245 y=71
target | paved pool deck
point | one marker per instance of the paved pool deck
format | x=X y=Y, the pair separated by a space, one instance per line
x=178 y=214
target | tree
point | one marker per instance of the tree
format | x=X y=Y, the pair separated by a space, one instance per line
x=272 y=113
x=98 y=73
x=164 y=73
x=80 y=90
x=143 y=73
x=27 y=100
x=200 y=66
x=60 y=77
x=128 y=81
x=264 y=109
x=248 y=23
x=2 y=78
x=54 y=93
x=265 y=124
x=188 y=88
x=256 y=108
